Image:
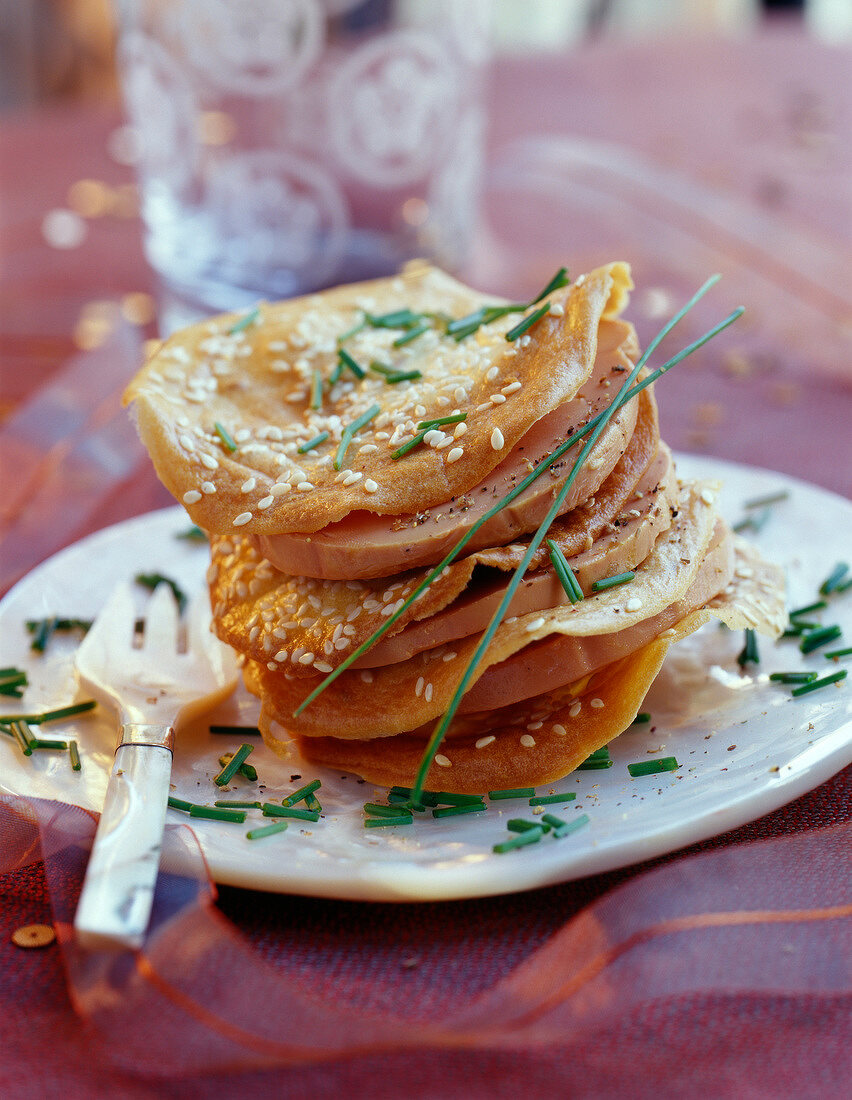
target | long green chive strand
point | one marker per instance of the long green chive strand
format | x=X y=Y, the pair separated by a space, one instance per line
x=815 y=685
x=620 y=399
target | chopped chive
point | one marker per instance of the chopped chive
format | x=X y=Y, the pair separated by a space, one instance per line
x=21 y=733
x=411 y=334
x=559 y=280
x=564 y=572
x=225 y=437
x=641 y=718
x=749 y=654
x=553 y=821
x=152 y=580
x=233 y=766
x=611 y=582
x=410 y=445
x=34 y=625
x=402 y=376
x=11 y=692
x=793 y=677
x=815 y=685
x=456 y=418
x=551 y=799
x=521 y=825
x=600 y=754
x=351 y=430
x=568 y=827
x=766 y=501
x=839 y=652
x=350 y=332
x=235 y=804
x=399 y=318
x=244 y=321
x=455 y=811
x=397 y=799
x=381 y=822
x=376 y=809
x=14 y=679
x=44 y=743
x=462 y=327
x=192 y=534
x=49 y=715
x=42 y=636
x=211 y=813
x=270 y=809
x=629 y=390
x=844 y=586
x=346 y=360
x=527 y=322
x=179 y=804
x=316 y=389
x=817 y=638
x=315 y=442
x=247 y=771
x=450 y=799
x=313 y=803
x=512 y=792
x=817 y=605
x=800 y=626
x=336 y=372
x=74 y=753
x=594 y=764
x=237 y=731
x=266 y=830
x=834 y=579
x=392 y=375
x=651 y=767
x=520 y=840
x=302 y=792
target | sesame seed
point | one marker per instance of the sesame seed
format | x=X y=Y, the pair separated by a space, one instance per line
x=307 y=658
x=271 y=665
x=491 y=374
x=497 y=441
x=208 y=487
x=304 y=486
x=527 y=740
x=281 y=655
x=280 y=488
x=536 y=624
x=432 y=437
x=323 y=666
x=370 y=486
x=575 y=709
x=208 y=460
x=247 y=486
x=187 y=442
x=352 y=477
x=707 y=496
x=485 y=405
x=556 y=309
x=484 y=741
x=461 y=428
x=442 y=761
x=241 y=519
x=596 y=703
x=512 y=387
x=534 y=725
x=559 y=730
x=263 y=504
x=427 y=693
x=191 y=497
x=455 y=454
x=460 y=394
x=418 y=687
x=367 y=676
x=634 y=604
x=497 y=399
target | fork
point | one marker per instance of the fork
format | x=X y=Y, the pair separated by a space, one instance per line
x=154 y=689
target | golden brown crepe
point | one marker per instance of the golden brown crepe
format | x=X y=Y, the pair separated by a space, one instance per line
x=308 y=561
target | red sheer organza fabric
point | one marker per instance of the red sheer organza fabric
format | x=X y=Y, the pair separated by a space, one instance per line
x=751 y=947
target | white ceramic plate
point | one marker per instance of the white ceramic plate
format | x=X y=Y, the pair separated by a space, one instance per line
x=745 y=746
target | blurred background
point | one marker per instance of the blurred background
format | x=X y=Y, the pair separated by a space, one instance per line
x=60 y=49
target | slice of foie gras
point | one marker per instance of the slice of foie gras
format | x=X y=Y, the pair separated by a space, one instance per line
x=366 y=545
x=471 y=612
x=561 y=659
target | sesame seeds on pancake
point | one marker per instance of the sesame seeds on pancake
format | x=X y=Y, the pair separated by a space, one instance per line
x=226 y=409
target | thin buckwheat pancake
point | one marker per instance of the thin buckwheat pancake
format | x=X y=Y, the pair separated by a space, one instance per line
x=368 y=545
x=258 y=380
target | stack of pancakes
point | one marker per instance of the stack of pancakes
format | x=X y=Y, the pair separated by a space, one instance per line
x=321 y=533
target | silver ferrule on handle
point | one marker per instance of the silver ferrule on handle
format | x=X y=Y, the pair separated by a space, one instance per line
x=134 y=733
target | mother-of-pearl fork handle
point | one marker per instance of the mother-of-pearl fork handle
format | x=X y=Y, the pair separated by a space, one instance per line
x=115 y=904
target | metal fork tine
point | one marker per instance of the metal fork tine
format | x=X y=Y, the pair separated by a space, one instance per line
x=115 y=624
x=161 y=622
x=198 y=623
